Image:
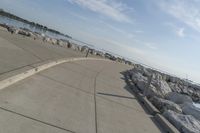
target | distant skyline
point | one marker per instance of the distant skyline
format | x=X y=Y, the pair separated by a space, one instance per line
x=161 y=33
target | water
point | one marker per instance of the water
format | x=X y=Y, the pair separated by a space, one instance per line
x=197 y=105
x=19 y=24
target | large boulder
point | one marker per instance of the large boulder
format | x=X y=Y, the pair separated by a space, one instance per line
x=190 y=109
x=24 y=33
x=163 y=105
x=99 y=53
x=161 y=85
x=184 y=123
x=158 y=87
x=139 y=80
x=141 y=69
x=73 y=46
x=188 y=90
x=79 y=48
x=157 y=76
x=174 y=79
x=138 y=76
x=153 y=91
x=178 y=98
x=53 y=41
x=3 y=27
x=174 y=87
x=141 y=84
x=84 y=49
x=196 y=96
x=13 y=29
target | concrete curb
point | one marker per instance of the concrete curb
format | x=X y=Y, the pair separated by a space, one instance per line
x=143 y=99
x=150 y=107
x=164 y=123
x=18 y=77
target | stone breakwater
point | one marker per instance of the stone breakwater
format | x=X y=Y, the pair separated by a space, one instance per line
x=172 y=96
x=51 y=40
x=63 y=43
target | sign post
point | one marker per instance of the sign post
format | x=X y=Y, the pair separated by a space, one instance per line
x=87 y=53
x=148 y=85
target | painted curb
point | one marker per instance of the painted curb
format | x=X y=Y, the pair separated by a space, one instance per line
x=18 y=77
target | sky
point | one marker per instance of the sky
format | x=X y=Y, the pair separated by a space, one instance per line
x=164 y=34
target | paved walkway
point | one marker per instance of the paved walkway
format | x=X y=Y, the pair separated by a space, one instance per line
x=76 y=97
x=17 y=52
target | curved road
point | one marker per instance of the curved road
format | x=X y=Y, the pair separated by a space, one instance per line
x=75 y=97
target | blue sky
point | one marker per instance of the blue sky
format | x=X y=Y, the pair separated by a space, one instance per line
x=161 y=33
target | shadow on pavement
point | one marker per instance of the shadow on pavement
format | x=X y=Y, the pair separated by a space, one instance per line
x=113 y=95
x=130 y=87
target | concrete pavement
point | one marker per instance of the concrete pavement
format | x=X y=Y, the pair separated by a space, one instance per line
x=17 y=52
x=74 y=97
x=81 y=97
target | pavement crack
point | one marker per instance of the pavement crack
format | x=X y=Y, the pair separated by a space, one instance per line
x=95 y=103
x=126 y=106
x=34 y=119
x=65 y=84
x=21 y=67
x=95 y=99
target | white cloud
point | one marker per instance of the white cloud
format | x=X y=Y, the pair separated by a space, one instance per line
x=180 y=32
x=119 y=30
x=127 y=48
x=139 y=31
x=78 y=16
x=186 y=11
x=110 y=8
x=151 y=46
x=148 y=45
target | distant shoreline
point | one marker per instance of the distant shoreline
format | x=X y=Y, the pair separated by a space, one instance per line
x=14 y=17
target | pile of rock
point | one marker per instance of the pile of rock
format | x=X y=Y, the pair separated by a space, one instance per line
x=178 y=98
x=100 y=53
x=23 y=32
x=164 y=105
x=12 y=30
x=84 y=49
x=190 y=109
x=59 y=42
x=172 y=96
x=184 y=123
x=158 y=87
x=3 y=27
x=184 y=87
